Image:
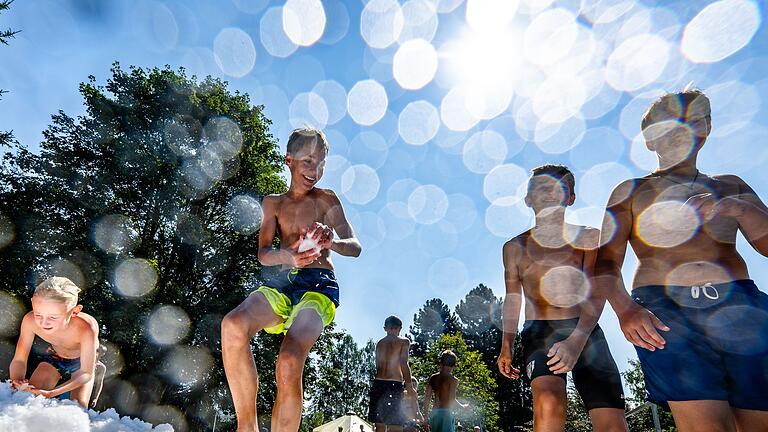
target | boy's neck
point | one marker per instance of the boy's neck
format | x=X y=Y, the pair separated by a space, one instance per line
x=446 y=370
x=295 y=192
x=686 y=168
x=551 y=218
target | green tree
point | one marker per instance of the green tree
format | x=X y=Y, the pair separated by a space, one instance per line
x=9 y=33
x=150 y=198
x=642 y=420
x=576 y=416
x=342 y=378
x=5 y=137
x=480 y=316
x=432 y=320
x=476 y=384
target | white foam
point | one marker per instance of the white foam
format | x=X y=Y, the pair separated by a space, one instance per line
x=23 y=412
x=308 y=243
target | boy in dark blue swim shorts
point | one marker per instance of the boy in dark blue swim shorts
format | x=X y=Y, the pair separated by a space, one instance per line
x=302 y=299
x=710 y=363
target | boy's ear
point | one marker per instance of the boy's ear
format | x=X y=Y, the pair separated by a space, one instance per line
x=571 y=199
x=288 y=159
x=77 y=309
x=527 y=200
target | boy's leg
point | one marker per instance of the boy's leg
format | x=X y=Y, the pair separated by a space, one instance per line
x=703 y=416
x=608 y=420
x=45 y=377
x=82 y=394
x=751 y=420
x=598 y=382
x=237 y=329
x=302 y=335
x=549 y=403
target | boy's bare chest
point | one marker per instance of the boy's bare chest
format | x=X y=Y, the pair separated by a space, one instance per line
x=66 y=343
x=297 y=215
x=663 y=216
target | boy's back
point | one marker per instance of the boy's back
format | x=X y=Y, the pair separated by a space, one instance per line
x=443 y=386
x=389 y=353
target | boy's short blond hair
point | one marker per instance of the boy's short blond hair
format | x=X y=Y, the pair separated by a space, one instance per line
x=59 y=289
x=306 y=135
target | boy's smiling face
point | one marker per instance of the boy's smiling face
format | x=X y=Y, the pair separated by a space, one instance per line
x=306 y=165
x=52 y=315
x=545 y=191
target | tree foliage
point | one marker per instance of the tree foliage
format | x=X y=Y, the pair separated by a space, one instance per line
x=480 y=316
x=432 y=320
x=342 y=377
x=157 y=188
x=643 y=419
x=5 y=137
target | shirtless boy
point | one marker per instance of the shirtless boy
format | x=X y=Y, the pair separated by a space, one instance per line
x=303 y=298
x=72 y=339
x=443 y=384
x=411 y=410
x=392 y=370
x=551 y=264
x=710 y=363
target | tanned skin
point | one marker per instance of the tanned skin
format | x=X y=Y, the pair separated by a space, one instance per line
x=303 y=209
x=392 y=365
x=563 y=293
x=442 y=386
x=724 y=204
x=73 y=334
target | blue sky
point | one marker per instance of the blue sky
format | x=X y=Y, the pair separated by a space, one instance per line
x=435 y=109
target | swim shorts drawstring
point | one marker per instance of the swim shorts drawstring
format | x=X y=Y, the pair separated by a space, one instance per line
x=697 y=289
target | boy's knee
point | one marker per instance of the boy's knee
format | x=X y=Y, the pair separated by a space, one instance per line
x=290 y=366
x=234 y=327
x=550 y=400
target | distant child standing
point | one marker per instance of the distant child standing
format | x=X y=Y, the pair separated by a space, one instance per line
x=443 y=384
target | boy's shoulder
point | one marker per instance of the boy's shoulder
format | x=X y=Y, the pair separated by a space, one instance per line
x=583 y=236
x=625 y=192
x=85 y=324
x=516 y=244
x=518 y=240
x=730 y=179
x=327 y=194
x=29 y=320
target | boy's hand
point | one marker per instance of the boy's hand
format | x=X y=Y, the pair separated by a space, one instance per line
x=505 y=365
x=639 y=327
x=302 y=259
x=564 y=354
x=21 y=384
x=322 y=235
x=41 y=392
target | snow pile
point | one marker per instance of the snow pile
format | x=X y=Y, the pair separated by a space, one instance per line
x=22 y=412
